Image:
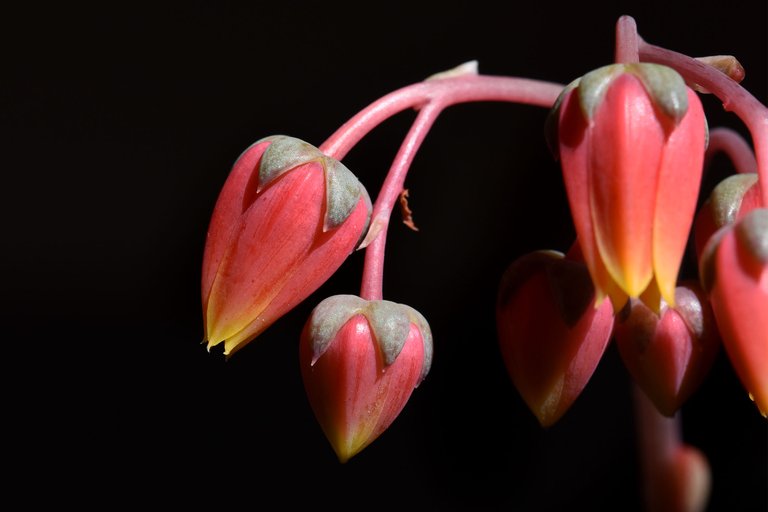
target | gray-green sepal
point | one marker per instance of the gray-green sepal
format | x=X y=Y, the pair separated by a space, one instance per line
x=282 y=155
x=725 y=199
x=390 y=325
x=593 y=85
x=343 y=191
x=664 y=86
x=329 y=317
x=426 y=336
x=752 y=233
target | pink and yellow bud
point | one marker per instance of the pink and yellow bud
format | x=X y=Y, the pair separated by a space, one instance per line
x=670 y=353
x=631 y=140
x=734 y=271
x=551 y=333
x=360 y=361
x=286 y=218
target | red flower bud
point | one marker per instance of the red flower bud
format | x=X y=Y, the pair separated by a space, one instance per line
x=668 y=354
x=631 y=141
x=285 y=220
x=551 y=334
x=360 y=361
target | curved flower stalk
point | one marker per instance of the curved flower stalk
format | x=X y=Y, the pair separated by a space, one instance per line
x=668 y=354
x=551 y=333
x=286 y=219
x=360 y=361
x=631 y=141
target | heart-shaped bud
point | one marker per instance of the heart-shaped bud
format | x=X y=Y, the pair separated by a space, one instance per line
x=668 y=354
x=550 y=332
x=360 y=361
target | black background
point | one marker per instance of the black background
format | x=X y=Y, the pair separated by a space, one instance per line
x=120 y=123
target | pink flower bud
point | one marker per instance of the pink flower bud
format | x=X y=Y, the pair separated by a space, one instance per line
x=668 y=354
x=360 y=361
x=734 y=271
x=631 y=140
x=285 y=220
x=550 y=332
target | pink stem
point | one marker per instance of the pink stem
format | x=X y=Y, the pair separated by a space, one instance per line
x=431 y=97
x=448 y=91
x=734 y=146
x=734 y=97
x=627 y=41
x=373 y=270
x=659 y=437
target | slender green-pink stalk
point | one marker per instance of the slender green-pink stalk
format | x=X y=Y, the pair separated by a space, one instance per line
x=464 y=88
x=373 y=270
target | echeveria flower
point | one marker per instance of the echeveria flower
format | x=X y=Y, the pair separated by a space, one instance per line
x=670 y=353
x=631 y=140
x=360 y=361
x=551 y=333
x=285 y=220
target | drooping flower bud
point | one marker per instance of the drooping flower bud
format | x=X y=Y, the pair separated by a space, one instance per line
x=670 y=353
x=551 y=334
x=285 y=220
x=734 y=271
x=631 y=141
x=360 y=361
